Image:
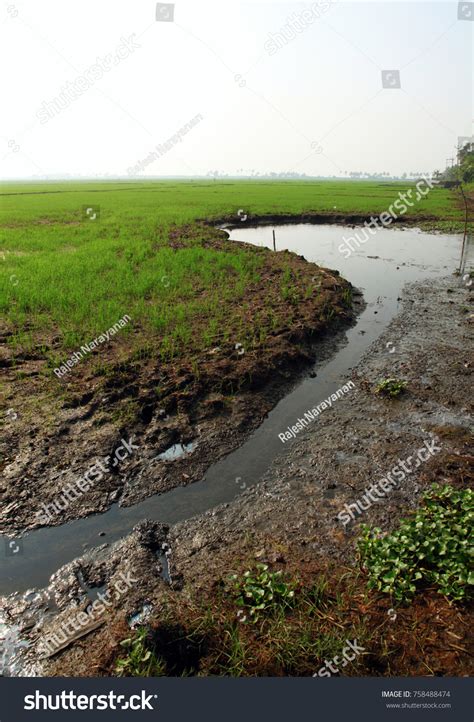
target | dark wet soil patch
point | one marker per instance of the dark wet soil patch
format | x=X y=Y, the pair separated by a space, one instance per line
x=213 y=400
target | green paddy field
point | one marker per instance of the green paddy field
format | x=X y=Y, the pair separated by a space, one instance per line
x=68 y=274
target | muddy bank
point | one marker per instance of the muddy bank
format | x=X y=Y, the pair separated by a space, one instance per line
x=46 y=626
x=292 y=514
x=427 y=222
x=177 y=417
x=355 y=443
x=343 y=219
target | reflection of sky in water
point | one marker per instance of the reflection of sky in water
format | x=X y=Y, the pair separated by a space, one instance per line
x=10 y=643
x=423 y=254
x=403 y=256
x=177 y=451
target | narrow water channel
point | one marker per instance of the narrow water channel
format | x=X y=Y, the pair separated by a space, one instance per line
x=380 y=268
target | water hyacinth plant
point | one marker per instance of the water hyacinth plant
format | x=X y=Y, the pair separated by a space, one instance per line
x=432 y=547
x=260 y=592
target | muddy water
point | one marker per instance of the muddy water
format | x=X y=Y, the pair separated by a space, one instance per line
x=379 y=268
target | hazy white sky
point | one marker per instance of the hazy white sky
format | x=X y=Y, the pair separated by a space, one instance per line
x=314 y=105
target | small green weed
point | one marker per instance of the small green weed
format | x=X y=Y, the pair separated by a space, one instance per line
x=347 y=297
x=140 y=660
x=260 y=592
x=391 y=387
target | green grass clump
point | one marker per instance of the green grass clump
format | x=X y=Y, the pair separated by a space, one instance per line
x=140 y=660
x=260 y=592
x=430 y=548
x=391 y=387
x=292 y=634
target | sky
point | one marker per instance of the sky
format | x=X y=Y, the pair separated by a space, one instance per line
x=140 y=89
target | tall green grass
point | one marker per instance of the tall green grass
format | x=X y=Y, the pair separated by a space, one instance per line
x=65 y=278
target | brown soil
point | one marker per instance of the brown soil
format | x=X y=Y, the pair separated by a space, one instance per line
x=428 y=638
x=57 y=429
x=346 y=219
x=289 y=520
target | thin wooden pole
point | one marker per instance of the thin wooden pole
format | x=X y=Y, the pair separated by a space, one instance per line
x=462 y=261
x=274 y=244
